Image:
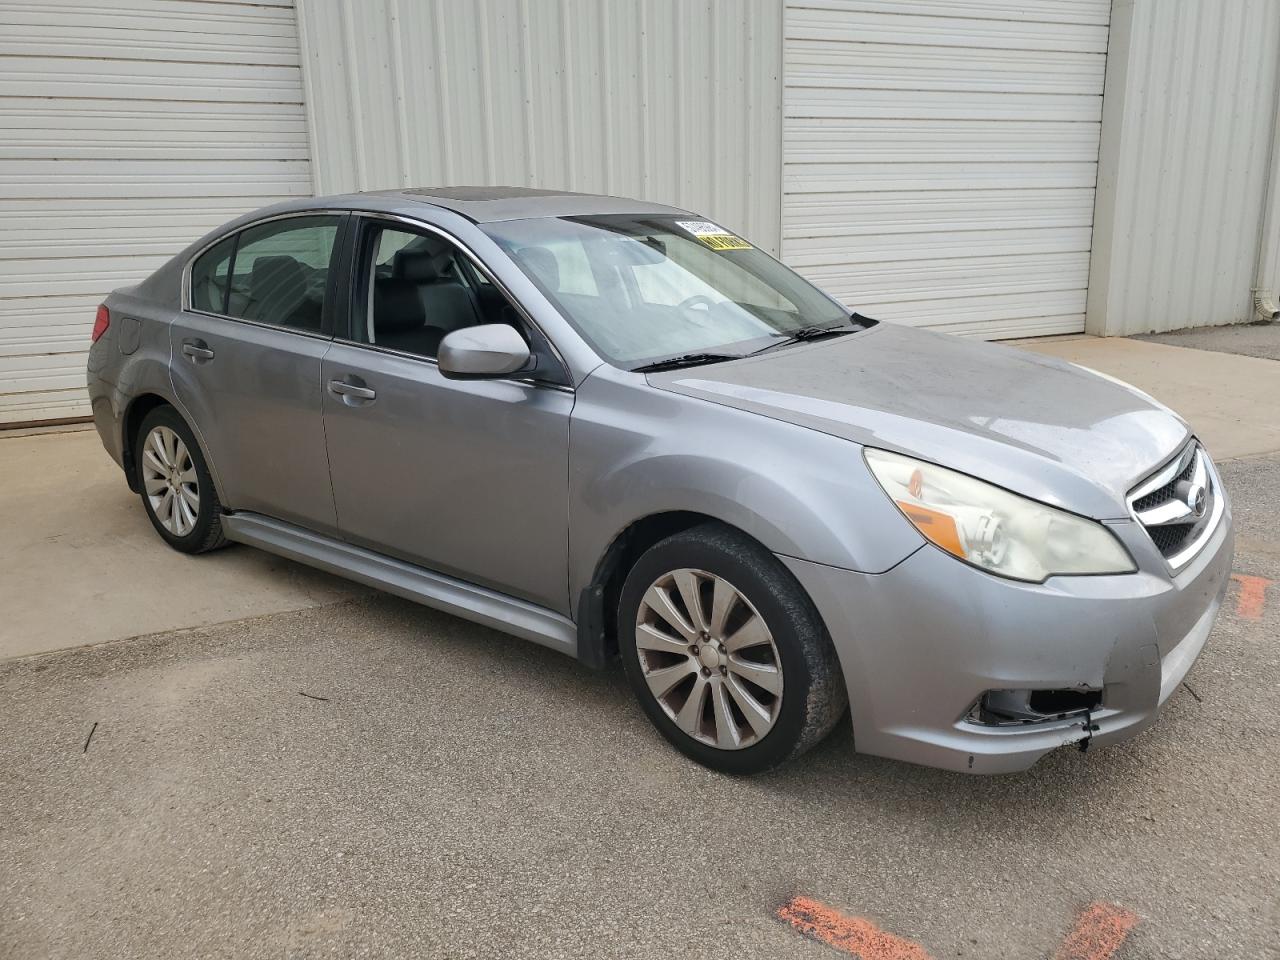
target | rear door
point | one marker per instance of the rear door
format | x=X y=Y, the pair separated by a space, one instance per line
x=246 y=357
x=468 y=478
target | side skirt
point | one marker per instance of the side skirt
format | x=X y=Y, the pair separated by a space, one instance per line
x=434 y=590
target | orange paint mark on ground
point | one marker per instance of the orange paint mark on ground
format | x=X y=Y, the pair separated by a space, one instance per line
x=853 y=935
x=1252 y=596
x=1099 y=931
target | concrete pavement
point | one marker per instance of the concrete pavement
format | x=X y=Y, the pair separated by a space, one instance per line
x=282 y=764
x=1249 y=339
x=374 y=779
x=285 y=765
x=82 y=565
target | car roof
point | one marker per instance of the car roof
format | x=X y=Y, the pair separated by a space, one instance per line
x=490 y=204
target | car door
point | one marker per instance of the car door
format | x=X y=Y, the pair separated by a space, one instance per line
x=246 y=354
x=466 y=477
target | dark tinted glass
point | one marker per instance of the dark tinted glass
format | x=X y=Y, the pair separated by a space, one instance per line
x=209 y=277
x=280 y=272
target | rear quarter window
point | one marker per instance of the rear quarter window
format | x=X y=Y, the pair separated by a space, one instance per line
x=210 y=277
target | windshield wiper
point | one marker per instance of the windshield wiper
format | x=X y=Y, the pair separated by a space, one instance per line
x=805 y=333
x=685 y=360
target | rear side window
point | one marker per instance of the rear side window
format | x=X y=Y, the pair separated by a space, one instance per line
x=280 y=270
x=209 y=275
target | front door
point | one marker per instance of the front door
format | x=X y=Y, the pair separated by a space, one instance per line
x=246 y=365
x=467 y=478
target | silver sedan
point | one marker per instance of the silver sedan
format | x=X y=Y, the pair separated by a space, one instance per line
x=621 y=430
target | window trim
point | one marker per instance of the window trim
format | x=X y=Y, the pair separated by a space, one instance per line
x=326 y=331
x=234 y=240
x=356 y=257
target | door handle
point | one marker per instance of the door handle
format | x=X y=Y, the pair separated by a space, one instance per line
x=351 y=393
x=197 y=350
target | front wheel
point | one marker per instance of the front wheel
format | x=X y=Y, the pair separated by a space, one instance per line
x=726 y=652
x=177 y=489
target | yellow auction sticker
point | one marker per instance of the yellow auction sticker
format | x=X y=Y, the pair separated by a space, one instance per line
x=712 y=235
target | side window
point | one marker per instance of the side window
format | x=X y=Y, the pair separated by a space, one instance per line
x=209 y=277
x=280 y=270
x=419 y=288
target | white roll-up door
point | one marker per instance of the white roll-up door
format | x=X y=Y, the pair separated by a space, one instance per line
x=127 y=129
x=940 y=158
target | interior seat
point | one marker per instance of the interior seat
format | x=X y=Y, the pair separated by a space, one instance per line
x=542 y=263
x=447 y=302
x=400 y=320
x=417 y=306
x=278 y=294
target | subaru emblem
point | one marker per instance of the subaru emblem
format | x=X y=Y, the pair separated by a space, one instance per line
x=1198 y=501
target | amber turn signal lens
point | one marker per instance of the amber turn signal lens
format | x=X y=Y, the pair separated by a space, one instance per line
x=936 y=526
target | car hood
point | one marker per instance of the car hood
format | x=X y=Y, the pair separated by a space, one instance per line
x=1041 y=427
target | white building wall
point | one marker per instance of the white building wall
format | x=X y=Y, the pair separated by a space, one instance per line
x=676 y=101
x=127 y=130
x=1187 y=146
x=940 y=155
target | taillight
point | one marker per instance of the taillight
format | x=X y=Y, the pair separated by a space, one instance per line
x=100 y=323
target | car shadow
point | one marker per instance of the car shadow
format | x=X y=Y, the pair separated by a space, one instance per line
x=834 y=776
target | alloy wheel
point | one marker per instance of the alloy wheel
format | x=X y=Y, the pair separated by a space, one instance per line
x=709 y=659
x=169 y=478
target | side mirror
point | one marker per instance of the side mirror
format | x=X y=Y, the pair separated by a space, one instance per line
x=488 y=351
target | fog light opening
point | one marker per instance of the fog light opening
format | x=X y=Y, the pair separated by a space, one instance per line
x=1010 y=707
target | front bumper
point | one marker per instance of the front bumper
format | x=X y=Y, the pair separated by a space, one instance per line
x=922 y=642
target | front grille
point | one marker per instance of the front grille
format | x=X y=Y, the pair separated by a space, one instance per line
x=1179 y=505
x=1166 y=492
x=1169 y=539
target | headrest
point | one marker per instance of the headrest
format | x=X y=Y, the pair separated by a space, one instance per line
x=277 y=287
x=542 y=263
x=418 y=266
x=397 y=308
x=276 y=276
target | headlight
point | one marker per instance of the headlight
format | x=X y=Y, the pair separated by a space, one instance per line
x=993 y=529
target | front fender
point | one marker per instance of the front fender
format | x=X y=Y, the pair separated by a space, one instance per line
x=636 y=451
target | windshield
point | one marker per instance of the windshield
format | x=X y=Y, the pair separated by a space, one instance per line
x=642 y=289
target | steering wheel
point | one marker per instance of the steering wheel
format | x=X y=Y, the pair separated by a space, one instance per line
x=697 y=300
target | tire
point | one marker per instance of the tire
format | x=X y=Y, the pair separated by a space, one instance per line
x=176 y=487
x=738 y=582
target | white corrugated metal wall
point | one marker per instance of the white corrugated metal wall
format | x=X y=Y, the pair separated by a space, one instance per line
x=676 y=101
x=1187 y=147
x=939 y=154
x=127 y=130
x=941 y=157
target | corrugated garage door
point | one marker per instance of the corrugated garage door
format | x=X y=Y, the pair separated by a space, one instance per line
x=127 y=129
x=941 y=155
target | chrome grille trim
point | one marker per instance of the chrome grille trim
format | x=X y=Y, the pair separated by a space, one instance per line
x=1164 y=505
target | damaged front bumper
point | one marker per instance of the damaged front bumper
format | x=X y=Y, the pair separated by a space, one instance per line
x=922 y=645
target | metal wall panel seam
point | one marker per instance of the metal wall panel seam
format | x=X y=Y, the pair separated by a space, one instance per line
x=526 y=115
x=309 y=97
x=1266 y=283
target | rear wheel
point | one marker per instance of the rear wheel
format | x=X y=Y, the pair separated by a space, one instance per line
x=177 y=489
x=726 y=652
